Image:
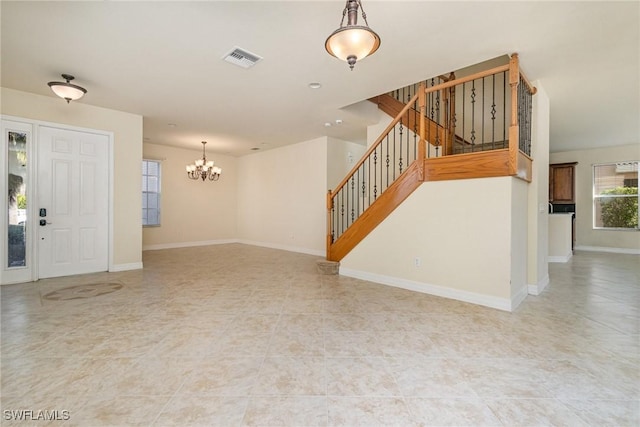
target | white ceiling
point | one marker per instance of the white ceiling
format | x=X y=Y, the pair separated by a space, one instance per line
x=163 y=60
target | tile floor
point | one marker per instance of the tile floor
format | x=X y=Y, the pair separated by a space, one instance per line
x=238 y=335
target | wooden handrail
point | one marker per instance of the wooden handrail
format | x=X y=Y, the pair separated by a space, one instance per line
x=532 y=89
x=375 y=145
x=466 y=79
x=479 y=75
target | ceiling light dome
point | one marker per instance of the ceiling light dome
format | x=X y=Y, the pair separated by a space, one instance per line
x=353 y=42
x=67 y=90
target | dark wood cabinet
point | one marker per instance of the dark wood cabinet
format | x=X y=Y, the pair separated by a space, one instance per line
x=562 y=183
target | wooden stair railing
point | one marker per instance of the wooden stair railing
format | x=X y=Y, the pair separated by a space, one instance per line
x=364 y=197
x=351 y=215
x=376 y=213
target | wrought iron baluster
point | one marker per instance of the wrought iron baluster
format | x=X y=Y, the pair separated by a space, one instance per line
x=473 y=114
x=437 y=106
x=387 y=159
x=375 y=172
x=358 y=198
x=342 y=210
x=407 y=135
x=483 y=112
x=454 y=120
x=464 y=119
x=333 y=219
x=369 y=180
x=364 y=186
x=529 y=120
x=353 y=212
x=416 y=117
x=382 y=187
x=400 y=159
x=493 y=110
x=504 y=107
x=394 y=154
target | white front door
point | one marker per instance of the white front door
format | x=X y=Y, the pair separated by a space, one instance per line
x=73 y=202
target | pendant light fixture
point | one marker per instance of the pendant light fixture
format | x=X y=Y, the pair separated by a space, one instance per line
x=67 y=90
x=352 y=42
x=203 y=168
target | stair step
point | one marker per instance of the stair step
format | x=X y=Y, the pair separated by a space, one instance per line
x=328 y=267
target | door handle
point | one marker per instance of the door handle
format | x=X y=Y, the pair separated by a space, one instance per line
x=44 y=222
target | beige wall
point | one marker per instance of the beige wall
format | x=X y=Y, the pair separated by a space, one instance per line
x=127 y=152
x=192 y=212
x=538 y=224
x=339 y=153
x=282 y=197
x=586 y=236
x=462 y=233
x=519 y=218
x=375 y=130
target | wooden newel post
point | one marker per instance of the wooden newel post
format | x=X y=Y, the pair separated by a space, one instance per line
x=422 y=144
x=514 y=135
x=329 y=238
x=514 y=80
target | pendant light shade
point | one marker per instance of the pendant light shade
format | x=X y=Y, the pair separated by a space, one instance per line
x=352 y=42
x=67 y=90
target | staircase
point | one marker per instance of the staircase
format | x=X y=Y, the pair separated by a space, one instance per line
x=444 y=128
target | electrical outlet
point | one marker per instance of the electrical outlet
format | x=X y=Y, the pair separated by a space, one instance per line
x=417 y=261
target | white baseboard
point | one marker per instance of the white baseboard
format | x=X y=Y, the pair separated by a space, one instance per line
x=537 y=288
x=188 y=244
x=607 y=249
x=565 y=258
x=126 y=267
x=519 y=296
x=284 y=247
x=441 y=291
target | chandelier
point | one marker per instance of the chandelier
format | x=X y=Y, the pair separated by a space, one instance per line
x=67 y=90
x=353 y=42
x=203 y=168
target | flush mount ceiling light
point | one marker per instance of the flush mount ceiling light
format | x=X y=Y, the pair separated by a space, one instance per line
x=203 y=169
x=67 y=90
x=352 y=42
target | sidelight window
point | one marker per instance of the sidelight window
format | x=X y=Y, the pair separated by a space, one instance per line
x=17 y=203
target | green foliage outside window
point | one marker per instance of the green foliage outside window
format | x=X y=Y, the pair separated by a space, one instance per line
x=620 y=212
x=22 y=201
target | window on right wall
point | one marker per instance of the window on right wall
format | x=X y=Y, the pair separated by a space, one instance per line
x=615 y=196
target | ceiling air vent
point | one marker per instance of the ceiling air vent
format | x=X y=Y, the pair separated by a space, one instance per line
x=242 y=58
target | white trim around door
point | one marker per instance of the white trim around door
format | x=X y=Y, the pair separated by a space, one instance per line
x=30 y=273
